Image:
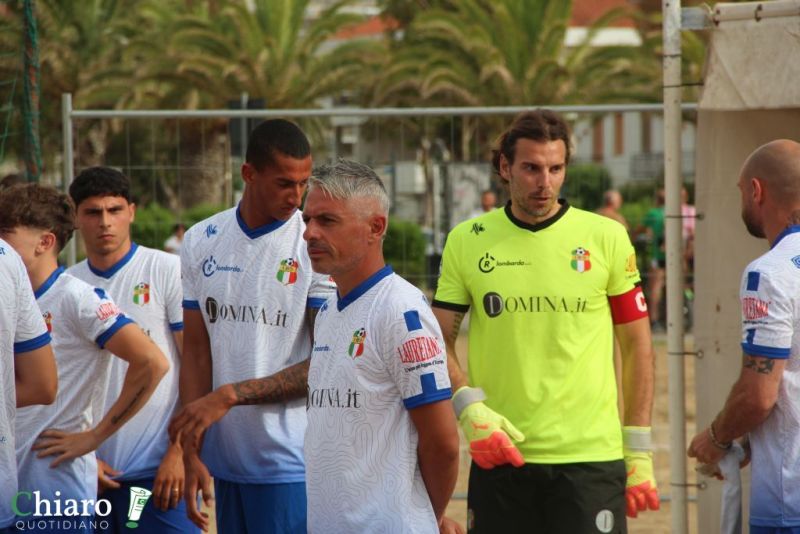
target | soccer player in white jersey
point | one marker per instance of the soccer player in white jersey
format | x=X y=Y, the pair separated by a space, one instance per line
x=145 y=284
x=381 y=446
x=27 y=367
x=765 y=400
x=38 y=221
x=249 y=300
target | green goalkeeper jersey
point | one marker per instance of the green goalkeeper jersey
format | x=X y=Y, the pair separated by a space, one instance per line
x=540 y=331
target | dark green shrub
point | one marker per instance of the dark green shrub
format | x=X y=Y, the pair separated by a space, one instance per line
x=585 y=185
x=404 y=250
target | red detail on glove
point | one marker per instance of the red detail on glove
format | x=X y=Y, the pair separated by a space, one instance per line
x=628 y=307
x=495 y=450
x=640 y=498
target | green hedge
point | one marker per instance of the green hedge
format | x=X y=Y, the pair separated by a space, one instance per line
x=404 y=250
x=153 y=224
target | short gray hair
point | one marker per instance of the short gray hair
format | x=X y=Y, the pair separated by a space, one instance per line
x=346 y=179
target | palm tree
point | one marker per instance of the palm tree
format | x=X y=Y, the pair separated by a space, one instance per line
x=76 y=40
x=504 y=53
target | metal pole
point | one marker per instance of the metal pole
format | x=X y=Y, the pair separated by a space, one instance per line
x=243 y=128
x=66 y=136
x=674 y=273
x=356 y=112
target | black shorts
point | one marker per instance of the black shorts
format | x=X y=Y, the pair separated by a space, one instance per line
x=580 y=498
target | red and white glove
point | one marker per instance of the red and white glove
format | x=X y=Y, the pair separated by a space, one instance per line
x=641 y=492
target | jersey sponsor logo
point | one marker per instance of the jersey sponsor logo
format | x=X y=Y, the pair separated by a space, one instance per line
x=48 y=321
x=580 y=260
x=630 y=264
x=419 y=349
x=356 y=347
x=106 y=310
x=333 y=398
x=210 y=266
x=477 y=228
x=243 y=313
x=487 y=263
x=494 y=304
x=211 y=230
x=753 y=308
x=141 y=293
x=321 y=348
x=287 y=271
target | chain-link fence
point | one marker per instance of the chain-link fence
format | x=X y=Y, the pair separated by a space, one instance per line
x=184 y=165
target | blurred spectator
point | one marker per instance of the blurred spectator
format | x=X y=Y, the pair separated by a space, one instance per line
x=173 y=243
x=488 y=203
x=612 y=202
x=654 y=227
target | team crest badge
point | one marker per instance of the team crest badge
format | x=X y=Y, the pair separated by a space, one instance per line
x=580 y=260
x=357 y=344
x=48 y=321
x=287 y=271
x=141 y=293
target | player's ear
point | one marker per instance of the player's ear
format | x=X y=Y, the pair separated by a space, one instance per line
x=378 y=224
x=505 y=168
x=47 y=241
x=757 y=189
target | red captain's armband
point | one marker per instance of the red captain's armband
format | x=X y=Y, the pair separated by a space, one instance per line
x=628 y=307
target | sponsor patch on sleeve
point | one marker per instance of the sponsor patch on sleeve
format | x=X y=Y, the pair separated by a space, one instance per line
x=106 y=310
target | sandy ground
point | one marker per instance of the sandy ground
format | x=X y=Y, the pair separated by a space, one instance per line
x=647 y=523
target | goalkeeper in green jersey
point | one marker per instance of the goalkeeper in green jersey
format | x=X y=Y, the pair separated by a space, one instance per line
x=549 y=287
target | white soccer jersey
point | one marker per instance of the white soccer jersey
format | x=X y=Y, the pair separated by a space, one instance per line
x=770 y=295
x=81 y=319
x=252 y=287
x=146 y=285
x=22 y=329
x=378 y=352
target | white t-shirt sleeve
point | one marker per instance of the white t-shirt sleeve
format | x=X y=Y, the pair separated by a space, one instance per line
x=188 y=281
x=767 y=316
x=322 y=288
x=100 y=318
x=173 y=293
x=414 y=353
x=30 y=332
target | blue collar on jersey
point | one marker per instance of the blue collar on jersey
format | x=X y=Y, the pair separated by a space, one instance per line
x=363 y=287
x=793 y=229
x=253 y=233
x=111 y=271
x=48 y=283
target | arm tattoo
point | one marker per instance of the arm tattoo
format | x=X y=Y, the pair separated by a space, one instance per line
x=117 y=418
x=763 y=366
x=794 y=217
x=288 y=384
x=457 y=318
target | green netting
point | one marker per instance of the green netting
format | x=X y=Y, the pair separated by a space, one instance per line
x=33 y=150
x=7 y=91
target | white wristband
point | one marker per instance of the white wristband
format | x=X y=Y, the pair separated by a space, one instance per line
x=466 y=396
x=637 y=438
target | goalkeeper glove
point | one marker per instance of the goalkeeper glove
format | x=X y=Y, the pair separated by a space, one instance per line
x=489 y=434
x=641 y=492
